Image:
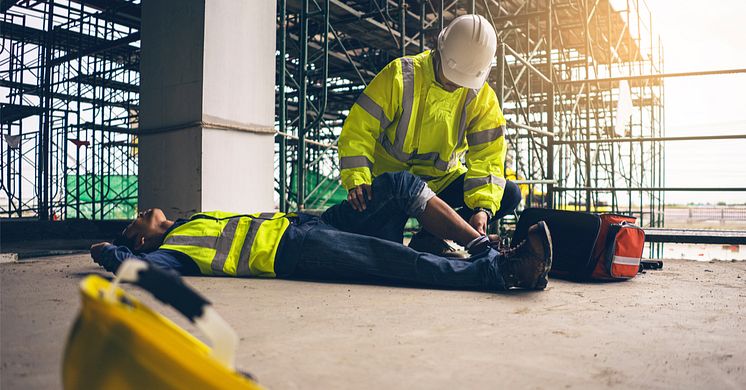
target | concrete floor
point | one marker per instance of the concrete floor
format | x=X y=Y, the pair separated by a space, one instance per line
x=683 y=327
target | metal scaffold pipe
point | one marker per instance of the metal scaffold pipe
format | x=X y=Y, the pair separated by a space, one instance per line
x=307 y=141
x=679 y=189
x=325 y=85
x=654 y=139
x=656 y=76
x=302 y=99
x=527 y=64
x=511 y=123
x=402 y=28
x=550 y=111
x=283 y=107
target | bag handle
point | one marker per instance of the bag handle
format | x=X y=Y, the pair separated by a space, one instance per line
x=170 y=289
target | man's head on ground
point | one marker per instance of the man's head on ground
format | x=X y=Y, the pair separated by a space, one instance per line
x=146 y=232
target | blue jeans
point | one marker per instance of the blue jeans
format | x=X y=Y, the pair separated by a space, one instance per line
x=348 y=245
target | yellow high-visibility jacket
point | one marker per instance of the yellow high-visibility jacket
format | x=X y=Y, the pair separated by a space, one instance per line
x=405 y=120
x=230 y=244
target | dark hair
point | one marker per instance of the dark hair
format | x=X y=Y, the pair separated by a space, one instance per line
x=122 y=240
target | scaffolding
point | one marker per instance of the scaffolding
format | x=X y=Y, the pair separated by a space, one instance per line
x=578 y=137
x=69 y=80
x=578 y=142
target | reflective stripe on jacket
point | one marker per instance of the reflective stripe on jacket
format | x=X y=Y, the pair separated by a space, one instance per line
x=230 y=244
x=404 y=120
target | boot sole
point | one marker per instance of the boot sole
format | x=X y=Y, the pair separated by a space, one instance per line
x=541 y=282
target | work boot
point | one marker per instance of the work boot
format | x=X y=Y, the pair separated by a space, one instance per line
x=527 y=264
x=426 y=242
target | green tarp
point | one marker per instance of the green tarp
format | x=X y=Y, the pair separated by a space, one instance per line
x=329 y=192
x=101 y=197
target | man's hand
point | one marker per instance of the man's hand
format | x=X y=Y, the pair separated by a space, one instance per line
x=98 y=249
x=358 y=196
x=479 y=222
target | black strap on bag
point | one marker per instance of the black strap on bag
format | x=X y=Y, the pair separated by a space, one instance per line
x=650 y=265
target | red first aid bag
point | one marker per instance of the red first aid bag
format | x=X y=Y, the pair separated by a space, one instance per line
x=618 y=249
x=588 y=246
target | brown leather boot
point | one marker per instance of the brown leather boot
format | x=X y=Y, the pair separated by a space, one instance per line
x=425 y=242
x=527 y=264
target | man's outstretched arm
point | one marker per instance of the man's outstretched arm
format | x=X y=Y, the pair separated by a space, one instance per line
x=111 y=256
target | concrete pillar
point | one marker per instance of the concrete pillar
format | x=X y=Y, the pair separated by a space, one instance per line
x=207 y=106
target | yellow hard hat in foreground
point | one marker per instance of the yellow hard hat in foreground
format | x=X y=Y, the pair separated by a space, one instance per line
x=119 y=343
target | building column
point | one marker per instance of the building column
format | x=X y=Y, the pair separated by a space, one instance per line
x=207 y=106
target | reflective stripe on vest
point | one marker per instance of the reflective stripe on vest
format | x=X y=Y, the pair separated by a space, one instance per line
x=243 y=259
x=470 y=95
x=485 y=136
x=407 y=101
x=373 y=109
x=474 y=182
x=355 y=162
x=397 y=148
x=223 y=247
x=222 y=244
x=204 y=242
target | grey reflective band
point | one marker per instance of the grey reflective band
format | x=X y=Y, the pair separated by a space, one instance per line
x=372 y=108
x=470 y=95
x=242 y=269
x=470 y=184
x=441 y=165
x=348 y=162
x=225 y=241
x=433 y=157
x=201 y=241
x=407 y=100
x=383 y=139
x=485 y=136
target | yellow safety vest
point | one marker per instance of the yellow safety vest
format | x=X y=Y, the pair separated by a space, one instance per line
x=230 y=244
x=405 y=121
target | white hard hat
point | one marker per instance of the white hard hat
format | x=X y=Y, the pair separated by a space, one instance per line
x=467 y=47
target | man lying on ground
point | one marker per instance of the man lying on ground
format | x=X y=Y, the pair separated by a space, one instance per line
x=343 y=244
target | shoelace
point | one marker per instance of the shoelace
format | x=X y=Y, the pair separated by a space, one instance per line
x=511 y=250
x=508 y=263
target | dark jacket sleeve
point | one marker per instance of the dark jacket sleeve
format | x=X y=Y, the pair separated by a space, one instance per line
x=112 y=256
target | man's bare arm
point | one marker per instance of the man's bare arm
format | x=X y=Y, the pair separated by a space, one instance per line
x=441 y=221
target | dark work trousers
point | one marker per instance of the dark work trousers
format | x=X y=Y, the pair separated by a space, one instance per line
x=349 y=245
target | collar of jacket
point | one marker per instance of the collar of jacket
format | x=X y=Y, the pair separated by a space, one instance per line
x=431 y=60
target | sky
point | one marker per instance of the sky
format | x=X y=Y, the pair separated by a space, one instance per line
x=699 y=36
